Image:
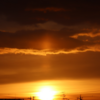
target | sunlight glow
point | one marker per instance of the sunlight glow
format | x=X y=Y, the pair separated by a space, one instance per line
x=46 y=93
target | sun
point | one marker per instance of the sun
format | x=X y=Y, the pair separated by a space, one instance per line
x=46 y=93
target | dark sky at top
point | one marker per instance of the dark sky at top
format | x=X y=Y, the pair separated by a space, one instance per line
x=31 y=21
x=63 y=12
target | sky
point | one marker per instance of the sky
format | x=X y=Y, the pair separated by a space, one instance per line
x=54 y=43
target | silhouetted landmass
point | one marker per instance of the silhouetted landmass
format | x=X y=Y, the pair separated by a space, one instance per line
x=11 y=99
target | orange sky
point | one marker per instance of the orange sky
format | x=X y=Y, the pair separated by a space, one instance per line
x=50 y=43
x=72 y=89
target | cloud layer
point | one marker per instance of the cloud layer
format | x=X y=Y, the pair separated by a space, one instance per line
x=54 y=26
x=49 y=42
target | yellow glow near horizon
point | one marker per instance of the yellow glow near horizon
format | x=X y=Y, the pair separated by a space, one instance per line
x=46 y=93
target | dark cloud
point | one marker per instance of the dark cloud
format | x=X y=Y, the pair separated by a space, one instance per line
x=38 y=39
x=51 y=9
x=67 y=12
x=47 y=39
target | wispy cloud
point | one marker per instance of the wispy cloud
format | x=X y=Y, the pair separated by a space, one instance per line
x=44 y=52
x=50 y=9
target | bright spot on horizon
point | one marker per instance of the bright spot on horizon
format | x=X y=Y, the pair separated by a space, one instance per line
x=46 y=93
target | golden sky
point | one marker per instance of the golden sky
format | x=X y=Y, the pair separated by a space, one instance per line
x=50 y=43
